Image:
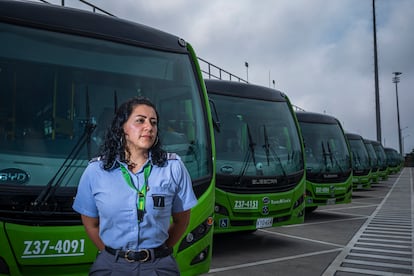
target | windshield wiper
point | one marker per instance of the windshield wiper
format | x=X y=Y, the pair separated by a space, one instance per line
x=266 y=145
x=53 y=184
x=251 y=144
x=249 y=153
x=276 y=156
x=325 y=161
x=332 y=156
x=89 y=126
x=269 y=149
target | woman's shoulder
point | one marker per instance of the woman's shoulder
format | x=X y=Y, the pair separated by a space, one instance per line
x=172 y=160
x=172 y=156
x=95 y=163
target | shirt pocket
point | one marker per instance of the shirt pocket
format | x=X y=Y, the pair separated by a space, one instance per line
x=160 y=201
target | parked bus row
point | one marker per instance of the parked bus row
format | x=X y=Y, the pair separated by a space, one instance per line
x=371 y=162
x=267 y=156
x=253 y=160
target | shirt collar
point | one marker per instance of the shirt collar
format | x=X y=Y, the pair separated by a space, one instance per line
x=119 y=162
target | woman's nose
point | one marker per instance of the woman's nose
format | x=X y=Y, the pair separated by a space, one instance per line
x=149 y=125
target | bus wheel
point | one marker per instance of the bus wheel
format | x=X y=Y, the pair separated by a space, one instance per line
x=309 y=210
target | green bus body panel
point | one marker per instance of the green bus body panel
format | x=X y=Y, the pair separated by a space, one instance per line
x=199 y=213
x=35 y=249
x=375 y=176
x=246 y=209
x=48 y=245
x=362 y=181
x=328 y=193
x=384 y=173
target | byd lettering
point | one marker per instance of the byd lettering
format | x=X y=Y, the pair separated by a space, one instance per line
x=13 y=176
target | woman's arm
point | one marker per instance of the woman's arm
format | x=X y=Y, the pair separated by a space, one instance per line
x=92 y=229
x=178 y=226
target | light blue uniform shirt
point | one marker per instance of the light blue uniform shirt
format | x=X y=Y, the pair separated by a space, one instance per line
x=106 y=194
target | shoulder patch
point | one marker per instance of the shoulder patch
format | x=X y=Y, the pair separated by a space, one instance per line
x=95 y=159
x=171 y=156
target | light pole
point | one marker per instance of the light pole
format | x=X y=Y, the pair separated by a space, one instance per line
x=247 y=70
x=396 y=80
x=377 y=96
x=403 y=142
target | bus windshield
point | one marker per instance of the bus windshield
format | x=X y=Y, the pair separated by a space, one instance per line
x=372 y=155
x=256 y=137
x=382 y=158
x=325 y=148
x=360 y=156
x=60 y=91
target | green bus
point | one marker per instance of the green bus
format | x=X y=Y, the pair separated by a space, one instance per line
x=394 y=160
x=328 y=160
x=383 y=171
x=373 y=160
x=361 y=166
x=63 y=73
x=260 y=177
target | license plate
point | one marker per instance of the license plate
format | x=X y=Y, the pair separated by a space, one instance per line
x=264 y=222
x=330 y=201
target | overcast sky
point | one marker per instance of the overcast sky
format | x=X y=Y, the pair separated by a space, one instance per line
x=319 y=52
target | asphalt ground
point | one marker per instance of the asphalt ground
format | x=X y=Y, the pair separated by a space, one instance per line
x=373 y=235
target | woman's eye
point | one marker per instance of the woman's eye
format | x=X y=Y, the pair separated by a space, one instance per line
x=153 y=123
x=141 y=120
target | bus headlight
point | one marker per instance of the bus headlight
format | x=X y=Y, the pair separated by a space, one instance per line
x=189 y=238
x=201 y=256
x=196 y=234
x=218 y=209
x=298 y=202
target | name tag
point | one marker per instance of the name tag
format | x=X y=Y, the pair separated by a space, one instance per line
x=159 y=201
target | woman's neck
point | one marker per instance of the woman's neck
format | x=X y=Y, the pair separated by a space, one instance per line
x=137 y=160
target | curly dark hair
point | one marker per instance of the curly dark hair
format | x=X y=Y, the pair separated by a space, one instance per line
x=114 y=144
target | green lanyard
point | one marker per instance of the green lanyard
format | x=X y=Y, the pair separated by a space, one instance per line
x=141 y=193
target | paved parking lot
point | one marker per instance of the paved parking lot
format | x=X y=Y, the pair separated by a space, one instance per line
x=373 y=235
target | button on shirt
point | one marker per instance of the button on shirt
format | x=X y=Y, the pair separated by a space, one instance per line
x=105 y=194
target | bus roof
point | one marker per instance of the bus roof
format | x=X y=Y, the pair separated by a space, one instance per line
x=368 y=141
x=86 y=23
x=311 y=117
x=376 y=143
x=245 y=90
x=353 y=136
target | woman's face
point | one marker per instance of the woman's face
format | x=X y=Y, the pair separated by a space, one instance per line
x=141 y=128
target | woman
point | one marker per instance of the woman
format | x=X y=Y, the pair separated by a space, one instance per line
x=128 y=194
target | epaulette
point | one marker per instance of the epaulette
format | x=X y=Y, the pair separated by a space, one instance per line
x=171 y=156
x=97 y=158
